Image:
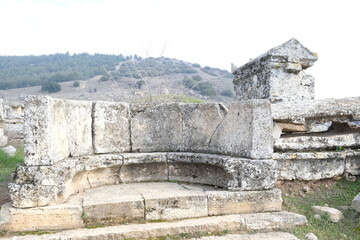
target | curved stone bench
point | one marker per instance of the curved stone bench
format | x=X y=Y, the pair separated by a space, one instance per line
x=48 y=185
x=75 y=145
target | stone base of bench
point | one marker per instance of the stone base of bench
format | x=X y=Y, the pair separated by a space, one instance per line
x=117 y=204
x=35 y=186
x=317 y=165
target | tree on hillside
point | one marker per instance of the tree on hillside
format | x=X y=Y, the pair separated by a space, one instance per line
x=50 y=87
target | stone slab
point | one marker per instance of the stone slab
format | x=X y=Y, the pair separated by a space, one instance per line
x=310 y=165
x=226 y=202
x=201 y=168
x=330 y=109
x=111 y=205
x=274 y=220
x=199 y=124
x=246 y=131
x=230 y=223
x=64 y=216
x=140 y=167
x=317 y=142
x=111 y=127
x=157 y=127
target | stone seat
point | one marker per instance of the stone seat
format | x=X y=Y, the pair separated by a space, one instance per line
x=151 y=201
x=35 y=186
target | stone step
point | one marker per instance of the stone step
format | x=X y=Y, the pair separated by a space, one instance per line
x=153 y=201
x=226 y=224
x=256 y=236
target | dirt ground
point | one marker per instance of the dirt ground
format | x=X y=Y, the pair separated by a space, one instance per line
x=300 y=188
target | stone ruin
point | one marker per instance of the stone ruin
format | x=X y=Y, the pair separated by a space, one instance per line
x=274 y=130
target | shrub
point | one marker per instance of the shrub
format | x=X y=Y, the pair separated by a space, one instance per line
x=104 y=78
x=196 y=65
x=208 y=92
x=139 y=84
x=189 y=83
x=76 y=83
x=50 y=87
x=227 y=93
x=197 y=78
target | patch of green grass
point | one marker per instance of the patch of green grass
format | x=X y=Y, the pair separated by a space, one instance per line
x=340 y=194
x=8 y=164
x=35 y=232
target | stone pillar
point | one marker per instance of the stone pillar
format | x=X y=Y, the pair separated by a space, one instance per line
x=277 y=75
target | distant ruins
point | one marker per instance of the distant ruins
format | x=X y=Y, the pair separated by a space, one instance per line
x=274 y=130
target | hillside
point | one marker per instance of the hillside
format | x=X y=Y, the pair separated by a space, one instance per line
x=110 y=77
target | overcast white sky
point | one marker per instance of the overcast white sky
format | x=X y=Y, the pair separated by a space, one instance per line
x=213 y=33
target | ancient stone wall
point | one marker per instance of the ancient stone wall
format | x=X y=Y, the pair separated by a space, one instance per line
x=3 y=138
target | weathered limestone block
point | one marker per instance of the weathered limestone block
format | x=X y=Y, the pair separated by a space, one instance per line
x=142 y=167
x=63 y=216
x=352 y=163
x=225 y=202
x=55 y=129
x=111 y=125
x=277 y=74
x=199 y=124
x=110 y=205
x=246 y=131
x=156 y=128
x=174 y=126
x=35 y=186
x=223 y=171
x=257 y=174
x=317 y=142
x=356 y=203
x=174 y=202
x=3 y=140
x=310 y=165
x=297 y=111
x=211 y=169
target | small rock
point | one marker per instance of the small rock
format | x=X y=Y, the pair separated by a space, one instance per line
x=326 y=205
x=337 y=178
x=310 y=236
x=306 y=189
x=9 y=150
x=343 y=235
x=356 y=203
x=350 y=178
x=333 y=214
x=317 y=216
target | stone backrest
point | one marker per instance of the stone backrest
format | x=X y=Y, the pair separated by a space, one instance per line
x=57 y=129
